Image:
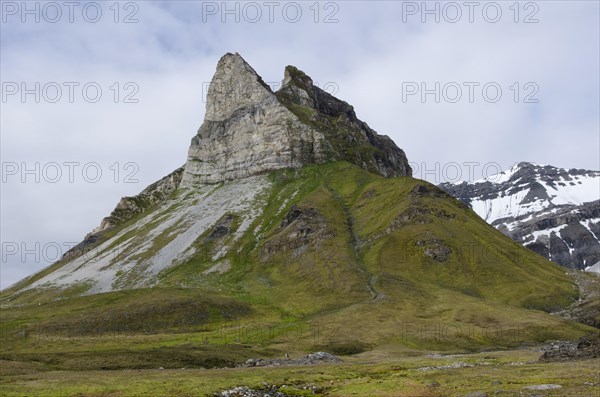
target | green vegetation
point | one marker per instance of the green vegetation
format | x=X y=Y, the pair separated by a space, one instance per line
x=373 y=374
x=339 y=260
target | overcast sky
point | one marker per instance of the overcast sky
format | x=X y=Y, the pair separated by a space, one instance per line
x=100 y=99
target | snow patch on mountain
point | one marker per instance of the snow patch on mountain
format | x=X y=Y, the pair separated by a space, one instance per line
x=579 y=190
x=547 y=233
x=502 y=206
x=589 y=223
x=594 y=268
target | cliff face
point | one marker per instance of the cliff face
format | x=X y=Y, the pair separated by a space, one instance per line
x=249 y=130
x=246 y=131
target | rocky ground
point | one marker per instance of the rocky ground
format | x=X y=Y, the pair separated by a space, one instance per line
x=586 y=310
x=266 y=391
x=283 y=390
x=584 y=348
x=313 y=358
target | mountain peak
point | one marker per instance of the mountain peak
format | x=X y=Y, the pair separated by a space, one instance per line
x=234 y=85
x=248 y=129
x=293 y=75
x=298 y=88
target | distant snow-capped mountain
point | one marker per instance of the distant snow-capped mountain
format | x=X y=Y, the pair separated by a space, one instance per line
x=552 y=211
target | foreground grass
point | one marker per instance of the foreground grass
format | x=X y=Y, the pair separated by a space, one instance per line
x=378 y=373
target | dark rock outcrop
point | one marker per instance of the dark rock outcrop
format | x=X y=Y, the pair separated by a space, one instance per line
x=347 y=137
x=585 y=348
x=300 y=228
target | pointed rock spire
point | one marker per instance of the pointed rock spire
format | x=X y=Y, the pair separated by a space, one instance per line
x=248 y=129
x=235 y=85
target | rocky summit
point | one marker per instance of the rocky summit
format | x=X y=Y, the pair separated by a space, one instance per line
x=249 y=129
x=292 y=228
x=553 y=211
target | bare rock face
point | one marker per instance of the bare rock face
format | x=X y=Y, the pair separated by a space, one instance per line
x=248 y=129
